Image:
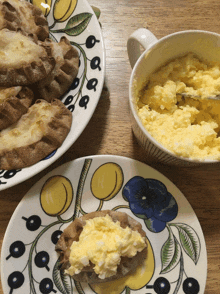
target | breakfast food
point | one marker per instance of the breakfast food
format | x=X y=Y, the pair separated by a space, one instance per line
x=102 y=246
x=31 y=62
x=65 y=70
x=187 y=127
x=14 y=102
x=40 y=131
x=20 y=14
x=32 y=68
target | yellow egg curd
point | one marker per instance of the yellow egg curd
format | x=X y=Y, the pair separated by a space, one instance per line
x=188 y=128
x=103 y=243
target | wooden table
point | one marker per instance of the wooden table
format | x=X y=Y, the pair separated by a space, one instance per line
x=109 y=131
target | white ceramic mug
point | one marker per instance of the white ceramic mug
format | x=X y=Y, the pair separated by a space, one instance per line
x=205 y=45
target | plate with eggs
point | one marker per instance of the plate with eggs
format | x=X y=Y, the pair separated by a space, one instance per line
x=104 y=224
x=51 y=77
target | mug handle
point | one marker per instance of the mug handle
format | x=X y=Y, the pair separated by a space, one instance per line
x=139 y=37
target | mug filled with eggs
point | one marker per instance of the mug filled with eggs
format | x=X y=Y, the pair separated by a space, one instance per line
x=174 y=95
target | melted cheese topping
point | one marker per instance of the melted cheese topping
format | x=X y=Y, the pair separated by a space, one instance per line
x=9 y=92
x=103 y=243
x=186 y=127
x=30 y=128
x=57 y=53
x=17 y=50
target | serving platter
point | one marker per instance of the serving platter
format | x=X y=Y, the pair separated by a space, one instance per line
x=79 y=23
x=176 y=261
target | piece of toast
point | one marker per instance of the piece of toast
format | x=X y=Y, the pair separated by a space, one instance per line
x=58 y=82
x=37 y=133
x=72 y=233
x=20 y=14
x=14 y=102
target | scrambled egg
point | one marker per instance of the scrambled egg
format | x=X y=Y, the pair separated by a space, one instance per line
x=103 y=242
x=188 y=128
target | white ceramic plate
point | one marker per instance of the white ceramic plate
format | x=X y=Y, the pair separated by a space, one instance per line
x=176 y=261
x=83 y=30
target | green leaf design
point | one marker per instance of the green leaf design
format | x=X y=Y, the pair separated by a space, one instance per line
x=96 y=11
x=189 y=241
x=170 y=253
x=79 y=287
x=62 y=282
x=77 y=24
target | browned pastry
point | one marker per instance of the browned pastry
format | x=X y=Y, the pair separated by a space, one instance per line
x=38 y=132
x=20 y=14
x=72 y=233
x=14 y=102
x=64 y=72
x=23 y=60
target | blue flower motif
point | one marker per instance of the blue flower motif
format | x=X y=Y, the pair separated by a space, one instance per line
x=149 y=199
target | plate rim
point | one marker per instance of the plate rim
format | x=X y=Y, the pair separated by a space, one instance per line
x=104 y=157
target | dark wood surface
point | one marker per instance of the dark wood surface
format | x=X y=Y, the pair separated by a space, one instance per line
x=109 y=131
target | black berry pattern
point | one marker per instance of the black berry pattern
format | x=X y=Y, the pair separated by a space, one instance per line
x=7 y=174
x=162 y=286
x=191 y=286
x=75 y=84
x=17 y=249
x=33 y=223
x=78 y=84
x=68 y=100
x=91 y=85
x=15 y=280
x=42 y=259
x=46 y=286
x=91 y=41
x=55 y=236
x=95 y=63
x=71 y=107
x=84 y=101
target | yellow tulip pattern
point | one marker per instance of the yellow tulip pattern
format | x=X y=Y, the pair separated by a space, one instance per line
x=56 y=195
x=107 y=180
x=44 y=5
x=63 y=9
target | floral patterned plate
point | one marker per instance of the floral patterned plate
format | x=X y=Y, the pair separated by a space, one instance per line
x=78 y=22
x=176 y=260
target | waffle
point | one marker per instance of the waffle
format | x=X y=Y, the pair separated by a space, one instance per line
x=72 y=233
x=25 y=16
x=37 y=133
x=60 y=79
x=32 y=61
x=14 y=102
